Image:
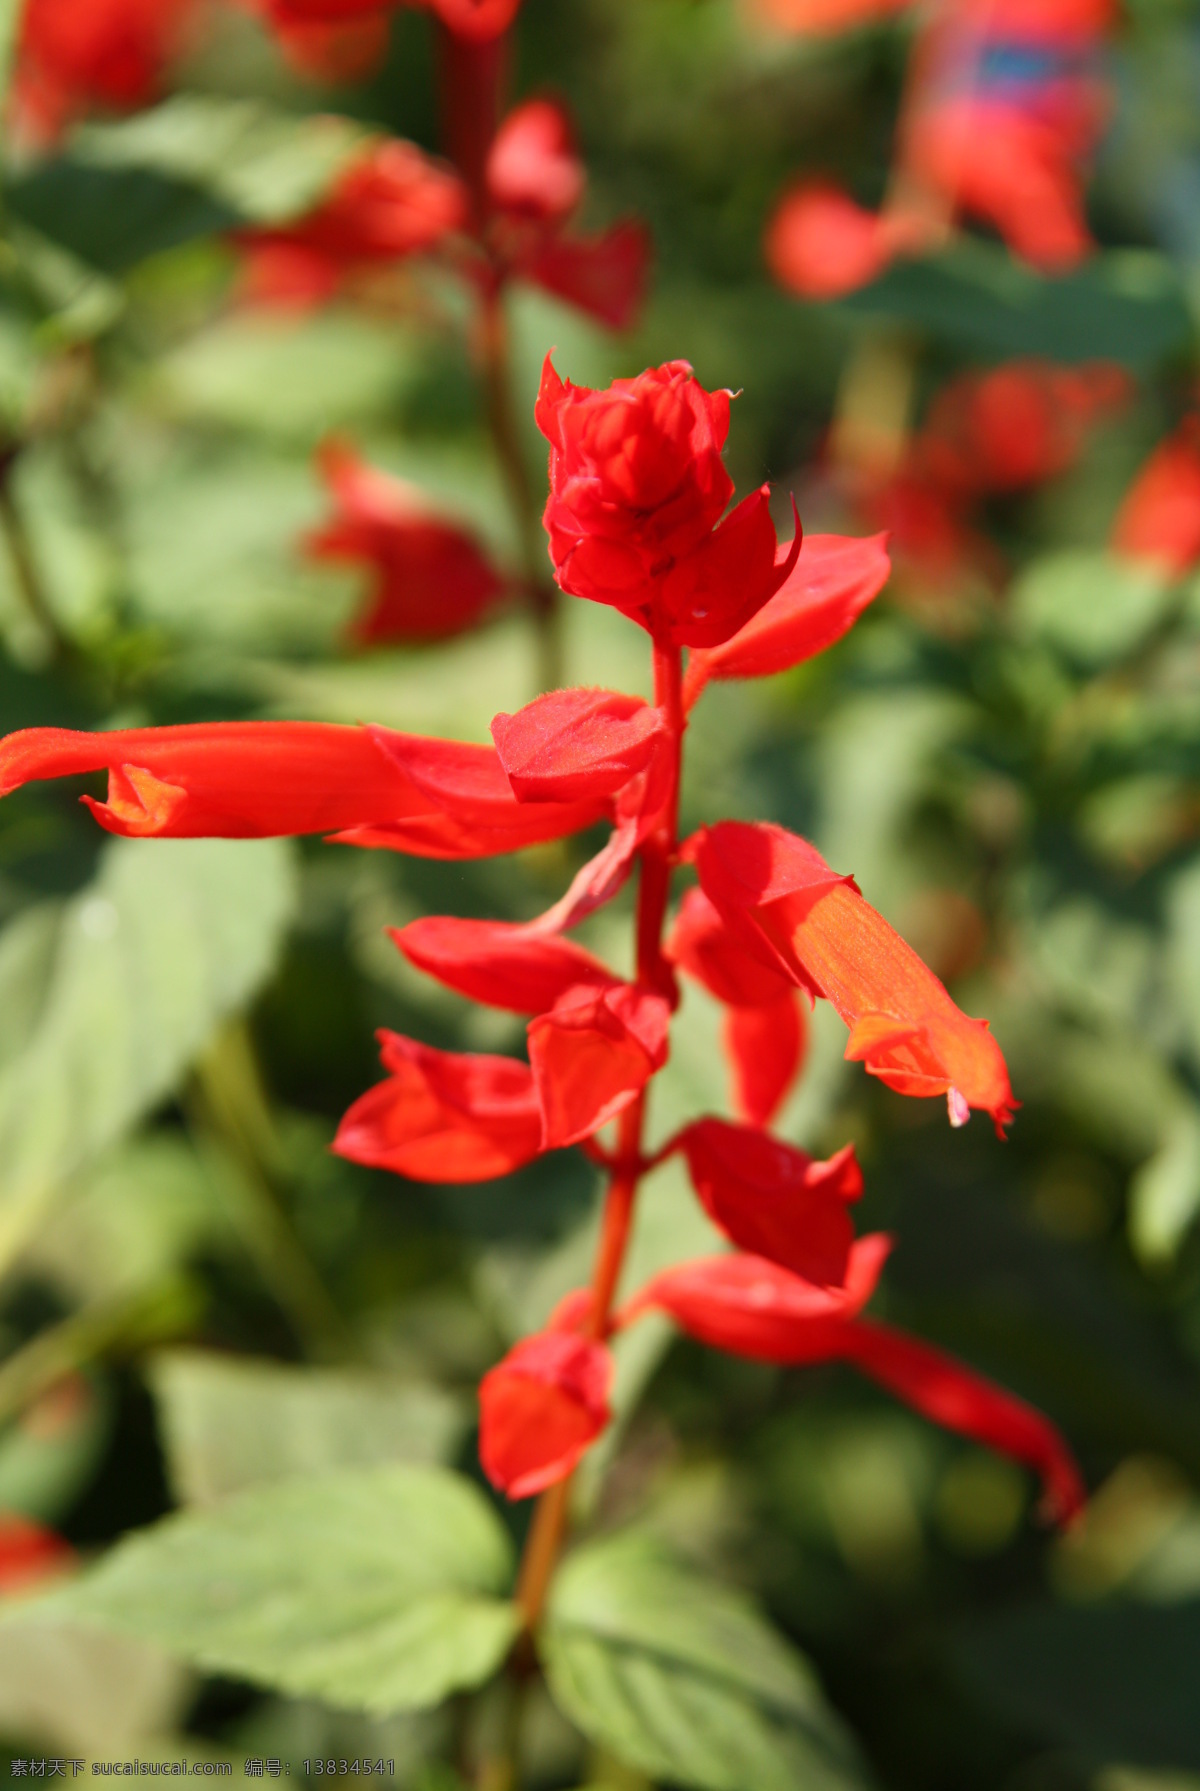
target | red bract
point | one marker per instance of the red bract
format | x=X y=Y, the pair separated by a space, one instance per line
x=429 y=578
x=498 y=963
x=326 y=39
x=74 y=56
x=1159 y=520
x=1016 y=425
x=573 y=745
x=443 y=1116
x=637 y=489
x=391 y=202
x=828 y=588
x=534 y=170
x=540 y=1409
x=765 y=1048
x=772 y=1200
x=592 y=1055
x=904 y=1027
x=29 y=1553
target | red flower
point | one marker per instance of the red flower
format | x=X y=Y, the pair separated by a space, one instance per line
x=29 y=1553
x=535 y=181
x=1159 y=520
x=820 y=16
x=540 y=1409
x=754 y=1308
x=77 y=55
x=904 y=1027
x=429 y=578
x=821 y=244
x=637 y=490
x=392 y=201
x=443 y=1116
x=831 y=583
x=764 y=1033
x=261 y=779
x=592 y=1055
x=772 y=1200
x=329 y=40
x=477 y=19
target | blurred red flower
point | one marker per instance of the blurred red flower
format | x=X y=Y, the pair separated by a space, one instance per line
x=429 y=578
x=541 y=1408
x=1159 y=520
x=77 y=56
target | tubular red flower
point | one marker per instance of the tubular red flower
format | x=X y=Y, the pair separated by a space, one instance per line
x=765 y=1048
x=498 y=963
x=540 y=1409
x=429 y=578
x=443 y=1116
x=774 y=1201
x=753 y=1307
x=1159 y=520
x=592 y=1054
x=637 y=488
x=577 y=745
x=958 y=1399
x=392 y=201
x=77 y=55
x=905 y=1029
x=832 y=582
x=533 y=168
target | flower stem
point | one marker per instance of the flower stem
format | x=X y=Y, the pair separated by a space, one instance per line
x=548 y=1529
x=26 y=576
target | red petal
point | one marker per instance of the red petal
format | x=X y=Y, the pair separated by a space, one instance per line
x=821 y=245
x=765 y=1049
x=942 y=1389
x=495 y=962
x=478 y=20
x=443 y=1116
x=742 y=972
x=592 y=1055
x=605 y=275
x=533 y=168
x=29 y=1553
x=224 y=779
x=576 y=745
x=772 y=1200
x=540 y=1409
x=713 y=591
x=752 y=1307
x=905 y=1026
x=833 y=581
x=1159 y=519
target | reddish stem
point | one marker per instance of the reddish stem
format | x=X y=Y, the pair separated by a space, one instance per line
x=653 y=972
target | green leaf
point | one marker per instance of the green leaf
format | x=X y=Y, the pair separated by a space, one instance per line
x=375 y=1589
x=75 y=1691
x=683 y=1679
x=143 y=964
x=1091 y=607
x=229 y=1423
x=1118 y=1681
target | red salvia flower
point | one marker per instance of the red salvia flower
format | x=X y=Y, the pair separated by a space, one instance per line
x=500 y=964
x=392 y=201
x=577 y=744
x=904 y=1028
x=592 y=1055
x=541 y=1408
x=1159 y=520
x=444 y=1116
x=821 y=244
x=78 y=56
x=429 y=579
x=328 y=40
x=637 y=491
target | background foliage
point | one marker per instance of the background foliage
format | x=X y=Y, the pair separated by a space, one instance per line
x=199 y=1305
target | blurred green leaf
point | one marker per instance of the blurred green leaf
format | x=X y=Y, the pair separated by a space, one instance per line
x=70 y=1689
x=1092 y=607
x=1126 y=305
x=170 y=937
x=1117 y=1682
x=229 y=1423
x=681 y=1677
x=375 y=1589
x=1164 y=1195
